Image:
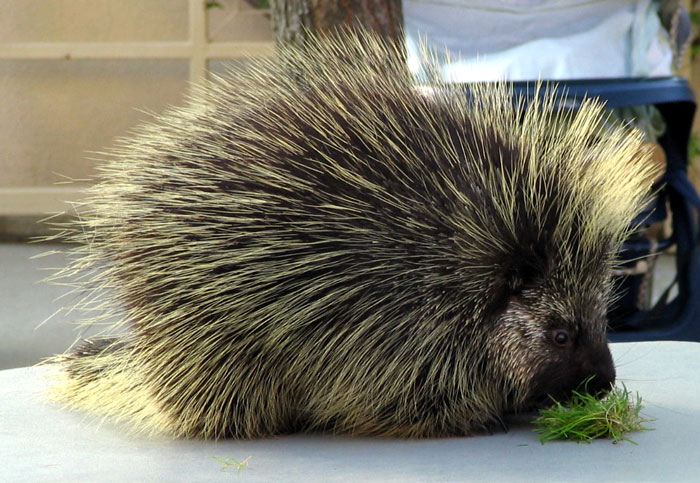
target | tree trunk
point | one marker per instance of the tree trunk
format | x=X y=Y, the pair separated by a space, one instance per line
x=382 y=16
x=292 y=20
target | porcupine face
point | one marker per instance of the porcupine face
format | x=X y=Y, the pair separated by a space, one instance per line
x=551 y=343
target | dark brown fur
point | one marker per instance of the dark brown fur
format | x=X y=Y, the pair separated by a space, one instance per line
x=353 y=255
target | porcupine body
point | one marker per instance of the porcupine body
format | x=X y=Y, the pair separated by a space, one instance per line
x=330 y=248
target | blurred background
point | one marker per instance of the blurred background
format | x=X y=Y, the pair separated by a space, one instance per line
x=75 y=75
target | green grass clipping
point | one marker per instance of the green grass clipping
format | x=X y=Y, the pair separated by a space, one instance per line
x=586 y=417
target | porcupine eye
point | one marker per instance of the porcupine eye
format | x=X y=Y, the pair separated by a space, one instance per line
x=560 y=337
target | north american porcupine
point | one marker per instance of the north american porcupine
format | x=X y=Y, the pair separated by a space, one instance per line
x=327 y=247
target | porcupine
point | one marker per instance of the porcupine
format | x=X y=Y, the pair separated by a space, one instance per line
x=328 y=247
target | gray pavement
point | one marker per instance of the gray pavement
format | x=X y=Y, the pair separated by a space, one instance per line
x=25 y=302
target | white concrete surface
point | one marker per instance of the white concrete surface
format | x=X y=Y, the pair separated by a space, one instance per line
x=31 y=325
x=25 y=303
x=41 y=442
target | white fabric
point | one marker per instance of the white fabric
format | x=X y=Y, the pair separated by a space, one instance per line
x=538 y=39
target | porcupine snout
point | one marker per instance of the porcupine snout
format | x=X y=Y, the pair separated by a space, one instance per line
x=593 y=373
x=597 y=371
x=591 y=370
x=547 y=348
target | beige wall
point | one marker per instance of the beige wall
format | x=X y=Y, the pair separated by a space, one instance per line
x=57 y=111
x=92 y=20
x=53 y=113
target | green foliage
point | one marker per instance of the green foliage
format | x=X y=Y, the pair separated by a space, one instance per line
x=695 y=18
x=695 y=21
x=212 y=4
x=227 y=463
x=693 y=147
x=586 y=417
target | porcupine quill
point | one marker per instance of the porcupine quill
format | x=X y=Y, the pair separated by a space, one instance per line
x=350 y=253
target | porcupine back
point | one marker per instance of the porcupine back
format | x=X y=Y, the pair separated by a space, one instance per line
x=328 y=246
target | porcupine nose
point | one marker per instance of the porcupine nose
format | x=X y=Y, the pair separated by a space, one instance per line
x=599 y=371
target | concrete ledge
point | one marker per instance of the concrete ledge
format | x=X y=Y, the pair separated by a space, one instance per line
x=42 y=442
